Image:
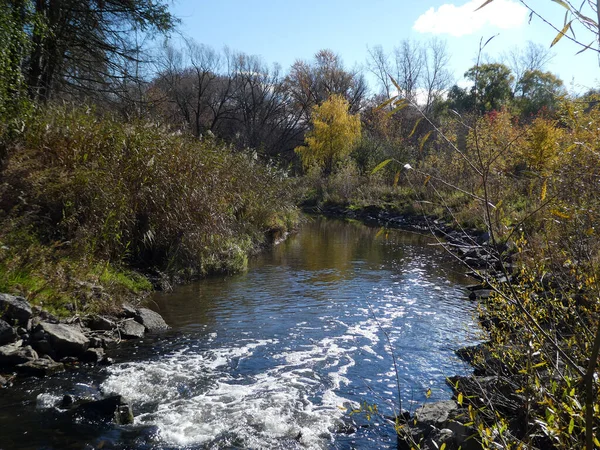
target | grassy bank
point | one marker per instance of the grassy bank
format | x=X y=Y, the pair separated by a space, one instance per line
x=87 y=203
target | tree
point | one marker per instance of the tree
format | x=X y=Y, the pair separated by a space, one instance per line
x=539 y=90
x=334 y=134
x=313 y=83
x=83 y=44
x=492 y=85
x=532 y=57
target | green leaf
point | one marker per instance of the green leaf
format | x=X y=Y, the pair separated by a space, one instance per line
x=561 y=33
x=571 y=425
x=381 y=165
x=485 y=4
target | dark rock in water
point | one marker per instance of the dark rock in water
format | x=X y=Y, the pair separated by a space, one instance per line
x=130 y=329
x=106 y=361
x=13 y=354
x=3 y=381
x=14 y=309
x=480 y=294
x=67 y=340
x=7 y=333
x=92 y=355
x=151 y=320
x=113 y=408
x=41 y=367
x=101 y=323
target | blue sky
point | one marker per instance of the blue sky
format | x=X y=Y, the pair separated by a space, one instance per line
x=281 y=31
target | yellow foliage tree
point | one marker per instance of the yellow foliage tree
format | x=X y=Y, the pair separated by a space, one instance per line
x=334 y=134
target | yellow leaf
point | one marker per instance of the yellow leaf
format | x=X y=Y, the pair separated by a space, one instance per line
x=427 y=178
x=428 y=393
x=415 y=127
x=443 y=446
x=401 y=105
x=380 y=232
x=423 y=140
x=596 y=441
x=544 y=190
x=386 y=103
x=557 y=213
x=460 y=398
x=563 y=4
x=396 y=178
x=561 y=34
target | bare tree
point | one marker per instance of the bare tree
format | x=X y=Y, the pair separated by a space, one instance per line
x=409 y=59
x=378 y=63
x=533 y=57
x=438 y=78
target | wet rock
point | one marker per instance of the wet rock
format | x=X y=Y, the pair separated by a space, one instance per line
x=113 y=408
x=96 y=342
x=41 y=367
x=151 y=320
x=106 y=361
x=92 y=355
x=7 y=333
x=101 y=323
x=3 y=381
x=14 y=309
x=130 y=329
x=13 y=354
x=66 y=340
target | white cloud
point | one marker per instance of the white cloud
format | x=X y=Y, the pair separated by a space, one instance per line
x=462 y=20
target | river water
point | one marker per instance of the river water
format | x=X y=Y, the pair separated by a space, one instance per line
x=277 y=357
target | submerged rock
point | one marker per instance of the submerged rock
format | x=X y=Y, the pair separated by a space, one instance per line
x=7 y=333
x=151 y=320
x=92 y=355
x=14 y=309
x=66 y=340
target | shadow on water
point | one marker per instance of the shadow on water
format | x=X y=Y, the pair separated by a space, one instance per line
x=276 y=357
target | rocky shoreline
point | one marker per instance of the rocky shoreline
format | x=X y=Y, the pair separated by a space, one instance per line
x=33 y=342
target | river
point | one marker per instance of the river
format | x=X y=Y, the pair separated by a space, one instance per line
x=277 y=357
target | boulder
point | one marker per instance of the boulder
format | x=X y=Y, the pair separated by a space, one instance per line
x=114 y=408
x=66 y=340
x=3 y=381
x=435 y=414
x=151 y=320
x=92 y=355
x=130 y=329
x=101 y=323
x=128 y=311
x=41 y=367
x=13 y=354
x=14 y=309
x=7 y=333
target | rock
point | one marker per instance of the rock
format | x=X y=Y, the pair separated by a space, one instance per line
x=66 y=340
x=3 y=381
x=130 y=329
x=435 y=414
x=101 y=323
x=42 y=315
x=151 y=320
x=13 y=354
x=113 y=408
x=480 y=294
x=14 y=309
x=41 y=367
x=92 y=355
x=43 y=347
x=106 y=361
x=7 y=333
x=129 y=311
x=96 y=342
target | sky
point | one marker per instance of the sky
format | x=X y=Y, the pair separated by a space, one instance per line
x=283 y=31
